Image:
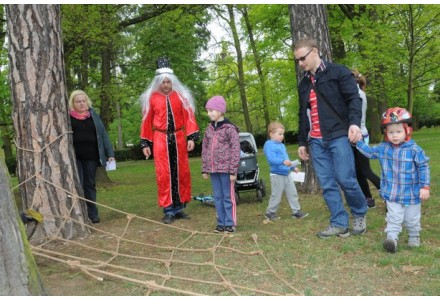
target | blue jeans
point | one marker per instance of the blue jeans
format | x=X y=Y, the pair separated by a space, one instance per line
x=334 y=166
x=224 y=199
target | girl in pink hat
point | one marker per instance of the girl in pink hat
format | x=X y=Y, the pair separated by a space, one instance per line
x=220 y=159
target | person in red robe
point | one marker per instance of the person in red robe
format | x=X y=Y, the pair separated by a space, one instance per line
x=168 y=130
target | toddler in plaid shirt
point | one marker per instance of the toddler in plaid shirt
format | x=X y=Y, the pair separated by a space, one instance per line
x=405 y=177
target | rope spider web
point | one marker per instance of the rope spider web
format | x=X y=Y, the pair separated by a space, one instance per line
x=185 y=263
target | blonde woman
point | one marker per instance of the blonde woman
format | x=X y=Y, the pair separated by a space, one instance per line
x=92 y=146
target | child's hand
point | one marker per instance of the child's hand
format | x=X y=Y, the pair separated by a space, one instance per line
x=424 y=194
x=296 y=170
x=232 y=177
x=205 y=175
x=287 y=163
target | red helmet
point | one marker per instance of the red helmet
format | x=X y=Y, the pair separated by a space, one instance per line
x=396 y=115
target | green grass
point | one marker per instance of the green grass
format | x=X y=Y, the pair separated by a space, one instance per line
x=352 y=266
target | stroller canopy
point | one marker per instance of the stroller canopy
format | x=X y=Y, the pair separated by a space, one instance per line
x=249 y=138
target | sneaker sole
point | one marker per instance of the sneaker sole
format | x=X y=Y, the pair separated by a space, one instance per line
x=302 y=217
x=356 y=232
x=341 y=235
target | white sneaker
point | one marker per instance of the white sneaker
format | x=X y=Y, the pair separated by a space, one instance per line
x=414 y=241
x=360 y=225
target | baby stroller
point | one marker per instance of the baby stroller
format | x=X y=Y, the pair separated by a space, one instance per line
x=248 y=171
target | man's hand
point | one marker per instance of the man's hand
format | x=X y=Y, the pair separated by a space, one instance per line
x=302 y=152
x=190 y=146
x=147 y=152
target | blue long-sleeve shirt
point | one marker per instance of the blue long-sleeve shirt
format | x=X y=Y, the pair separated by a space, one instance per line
x=405 y=170
x=276 y=154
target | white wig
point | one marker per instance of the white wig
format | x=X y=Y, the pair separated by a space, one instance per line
x=183 y=92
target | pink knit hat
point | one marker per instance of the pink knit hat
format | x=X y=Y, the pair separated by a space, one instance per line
x=217 y=103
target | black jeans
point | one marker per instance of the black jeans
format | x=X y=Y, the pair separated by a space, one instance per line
x=364 y=172
x=87 y=172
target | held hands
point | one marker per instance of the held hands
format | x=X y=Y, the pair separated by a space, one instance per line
x=424 y=194
x=232 y=177
x=205 y=175
x=354 y=134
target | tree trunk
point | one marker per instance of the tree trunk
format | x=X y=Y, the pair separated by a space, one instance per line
x=241 y=84
x=310 y=20
x=257 y=65
x=45 y=158
x=18 y=271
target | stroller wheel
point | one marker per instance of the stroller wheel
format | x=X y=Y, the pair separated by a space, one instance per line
x=260 y=195
x=237 y=198
x=263 y=187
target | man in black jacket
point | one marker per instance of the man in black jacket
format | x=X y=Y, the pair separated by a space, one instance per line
x=330 y=111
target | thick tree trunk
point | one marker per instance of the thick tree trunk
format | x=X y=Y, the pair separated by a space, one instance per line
x=45 y=158
x=18 y=271
x=310 y=20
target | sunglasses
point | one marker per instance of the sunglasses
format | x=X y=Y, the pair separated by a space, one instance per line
x=303 y=58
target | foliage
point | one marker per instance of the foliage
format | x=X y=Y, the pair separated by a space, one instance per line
x=375 y=39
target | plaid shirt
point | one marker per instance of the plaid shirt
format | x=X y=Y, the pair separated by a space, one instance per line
x=405 y=170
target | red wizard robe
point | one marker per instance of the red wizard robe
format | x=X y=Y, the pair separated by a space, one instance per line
x=167 y=126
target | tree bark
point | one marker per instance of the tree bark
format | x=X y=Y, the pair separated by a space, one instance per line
x=18 y=271
x=257 y=65
x=310 y=20
x=45 y=156
x=241 y=84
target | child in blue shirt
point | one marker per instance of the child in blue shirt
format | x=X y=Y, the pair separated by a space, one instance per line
x=280 y=167
x=405 y=178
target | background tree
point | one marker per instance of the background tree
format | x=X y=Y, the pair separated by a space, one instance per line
x=310 y=20
x=46 y=160
x=6 y=129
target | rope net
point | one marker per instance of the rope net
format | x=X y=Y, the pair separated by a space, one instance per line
x=133 y=249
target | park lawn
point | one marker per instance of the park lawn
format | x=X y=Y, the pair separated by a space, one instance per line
x=304 y=264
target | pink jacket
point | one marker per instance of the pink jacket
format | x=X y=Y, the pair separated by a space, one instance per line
x=221 y=148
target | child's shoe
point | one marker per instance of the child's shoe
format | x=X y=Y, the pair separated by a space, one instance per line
x=219 y=229
x=230 y=229
x=390 y=245
x=414 y=241
x=272 y=216
x=300 y=214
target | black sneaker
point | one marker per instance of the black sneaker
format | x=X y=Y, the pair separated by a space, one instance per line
x=300 y=214
x=168 y=219
x=390 y=245
x=272 y=216
x=219 y=229
x=182 y=215
x=371 y=203
x=95 y=220
x=229 y=229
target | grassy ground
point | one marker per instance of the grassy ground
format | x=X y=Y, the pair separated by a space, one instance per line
x=295 y=261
